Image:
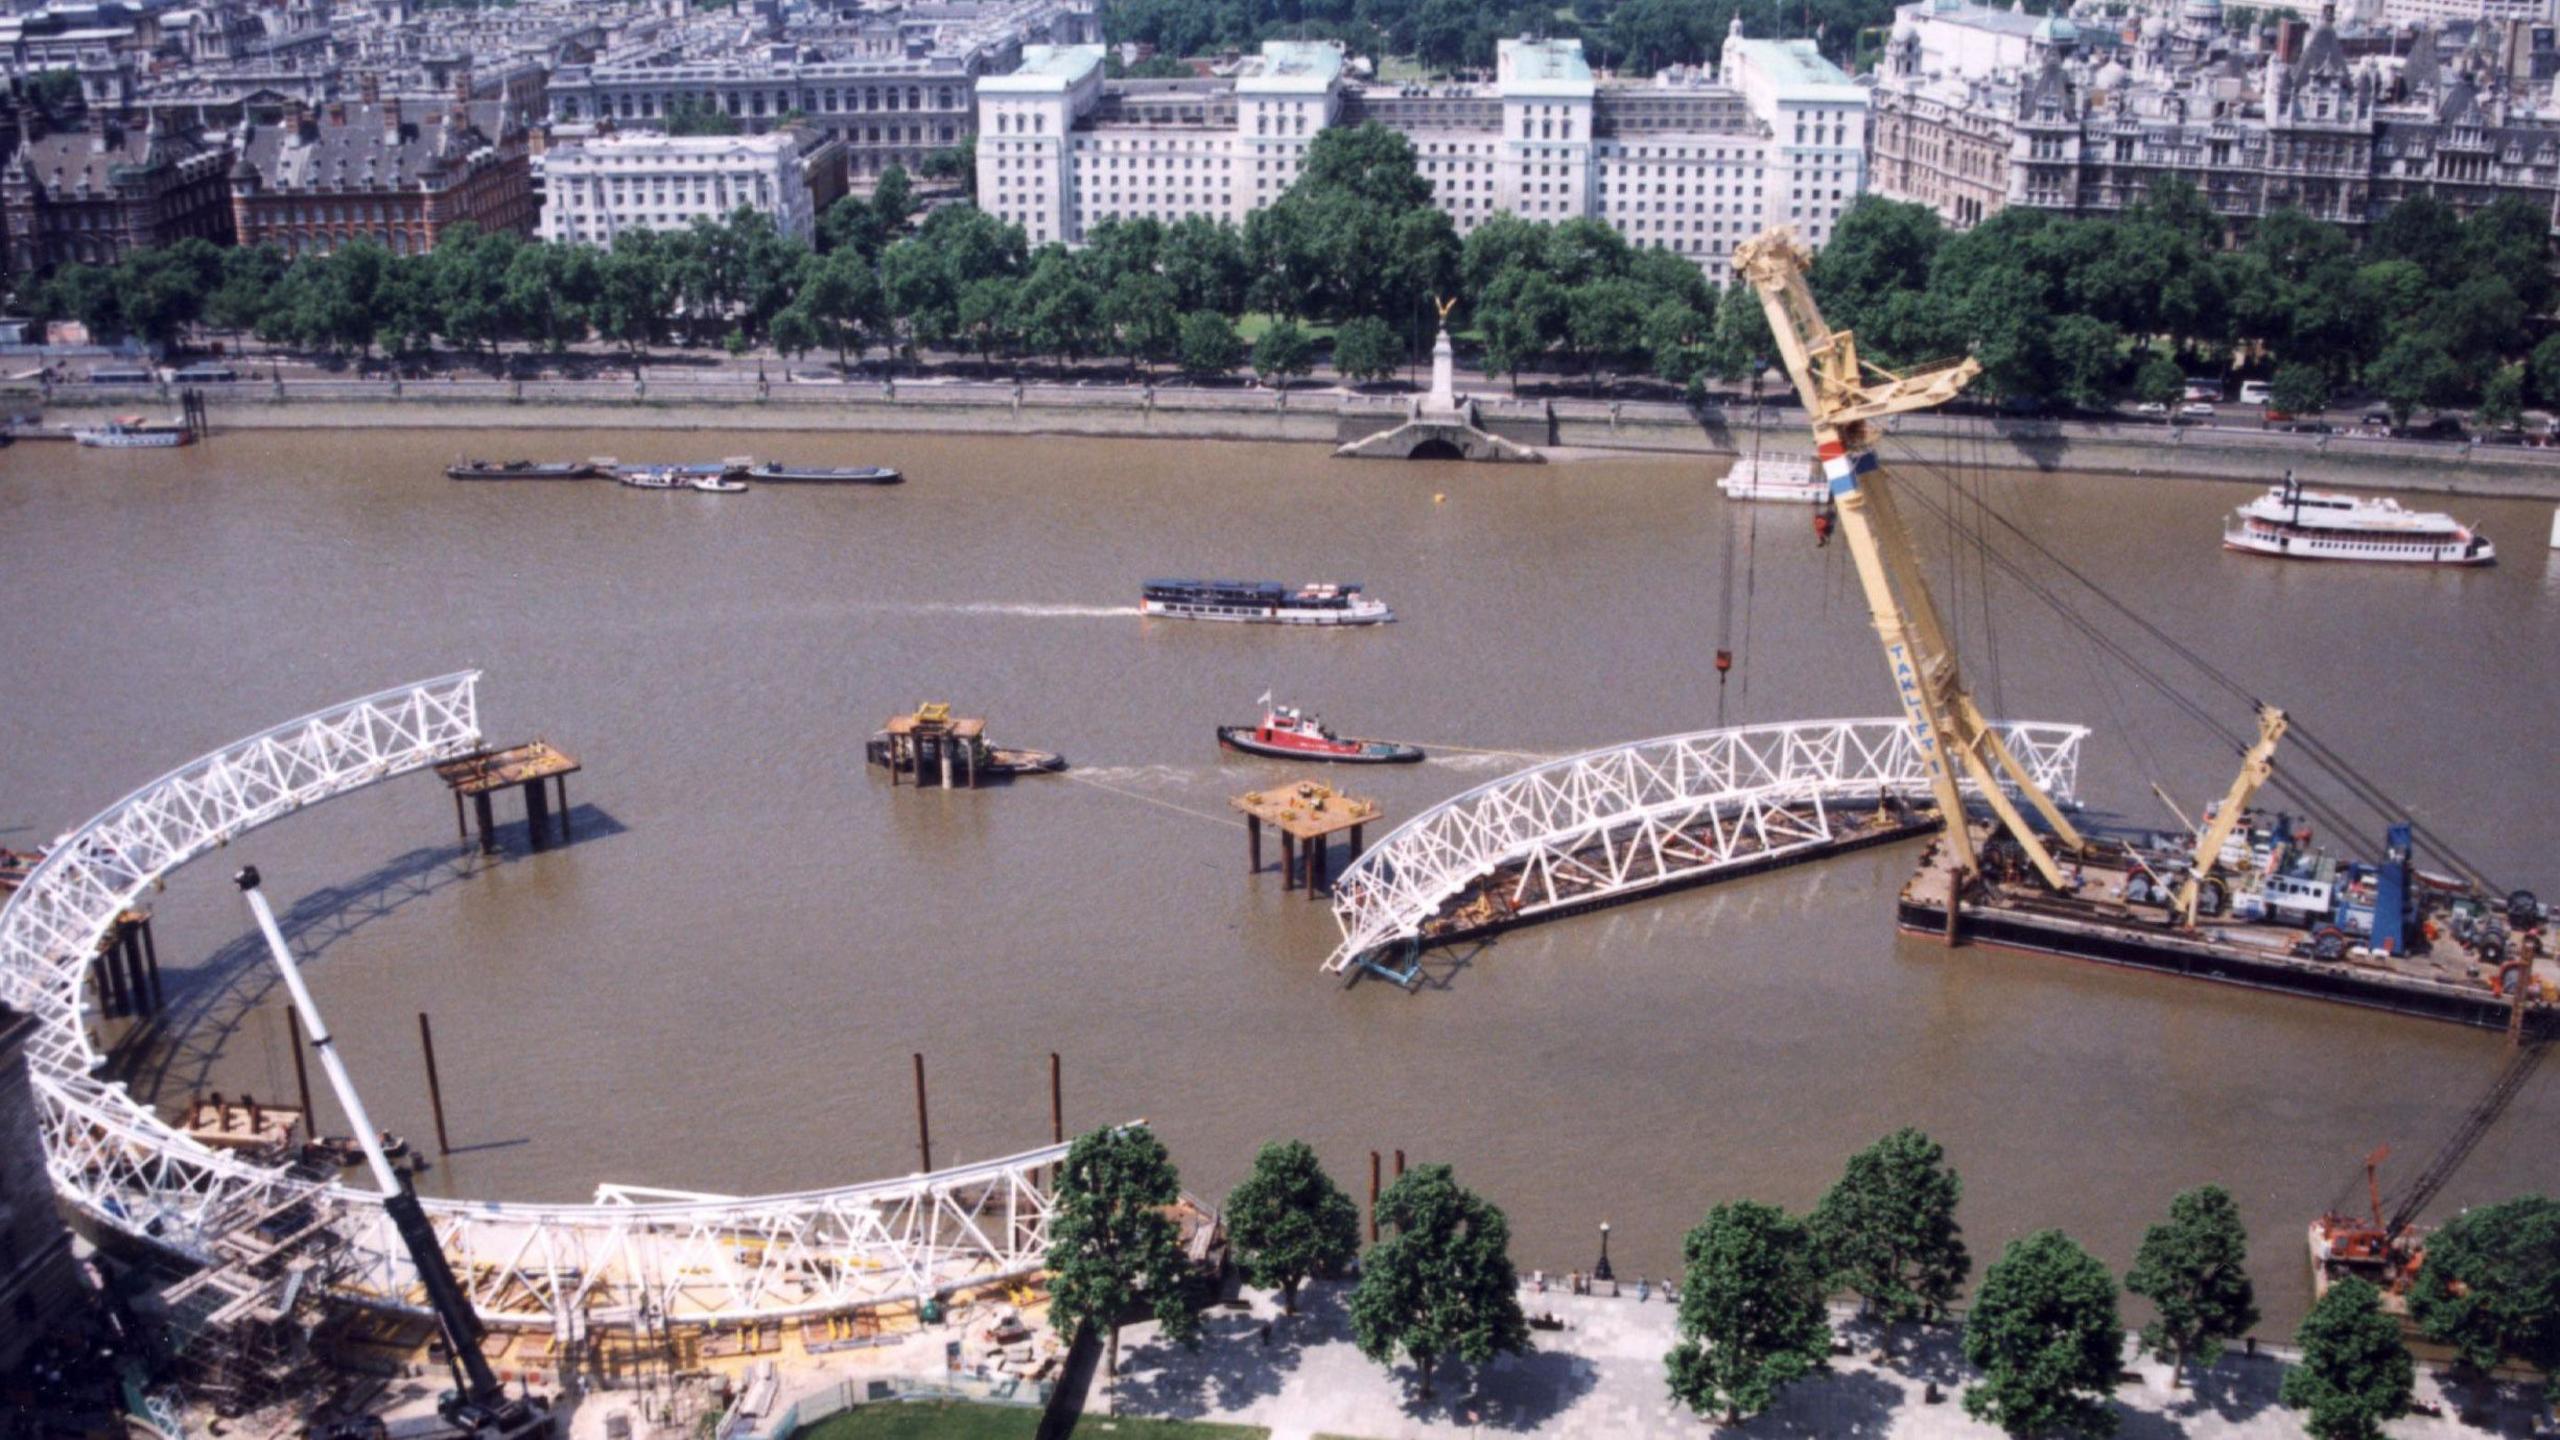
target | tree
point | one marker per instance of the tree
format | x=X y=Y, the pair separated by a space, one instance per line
x=2299 y=389
x=1752 y=1317
x=250 y=275
x=1889 y=1230
x=1604 y=319
x=1111 y=1243
x=2195 y=1271
x=53 y=92
x=1288 y=1220
x=1138 y=311
x=893 y=198
x=2411 y=371
x=2546 y=370
x=2490 y=1287
x=1881 y=248
x=1062 y=311
x=1204 y=259
x=1283 y=353
x=1442 y=1282
x=1367 y=348
x=2045 y=1336
x=2355 y=1372
x=958 y=162
x=2086 y=352
x=2502 y=399
x=1675 y=341
x=2159 y=381
x=1210 y=346
x=988 y=316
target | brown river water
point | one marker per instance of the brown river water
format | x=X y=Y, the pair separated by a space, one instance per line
x=717 y=986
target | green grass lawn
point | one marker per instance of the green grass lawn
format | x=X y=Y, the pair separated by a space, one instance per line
x=921 y=1420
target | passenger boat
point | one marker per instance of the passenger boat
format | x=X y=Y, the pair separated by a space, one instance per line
x=2305 y=524
x=1265 y=602
x=521 y=470
x=132 y=432
x=781 y=472
x=1287 y=733
x=650 y=477
x=716 y=485
x=1790 y=479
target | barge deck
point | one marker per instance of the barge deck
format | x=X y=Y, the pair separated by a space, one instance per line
x=2439 y=980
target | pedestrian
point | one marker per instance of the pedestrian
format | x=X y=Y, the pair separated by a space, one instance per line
x=1644 y=1289
x=1266 y=1333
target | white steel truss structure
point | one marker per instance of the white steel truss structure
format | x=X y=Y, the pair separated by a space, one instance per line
x=1656 y=812
x=635 y=1257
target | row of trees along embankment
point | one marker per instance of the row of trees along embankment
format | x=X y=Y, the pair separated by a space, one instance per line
x=2432 y=311
x=2041 y=1333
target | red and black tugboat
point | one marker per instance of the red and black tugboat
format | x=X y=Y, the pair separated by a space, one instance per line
x=1287 y=733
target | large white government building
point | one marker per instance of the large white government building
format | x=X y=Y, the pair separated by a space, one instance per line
x=1688 y=162
x=647 y=181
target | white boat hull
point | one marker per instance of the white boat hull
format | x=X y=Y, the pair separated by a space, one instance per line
x=1785 y=479
x=130 y=439
x=2372 y=549
x=1365 y=614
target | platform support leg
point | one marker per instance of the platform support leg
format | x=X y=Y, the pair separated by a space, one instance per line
x=488 y=823
x=151 y=963
x=1253 y=844
x=564 y=809
x=1357 y=845
x=1288 y=861
x=1316 y=847
x=537 y=814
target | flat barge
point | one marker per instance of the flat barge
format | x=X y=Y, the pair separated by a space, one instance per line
x=2438 y=978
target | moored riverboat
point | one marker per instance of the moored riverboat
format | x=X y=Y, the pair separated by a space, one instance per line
x=476 y=469
x=683 y=477
x=1788 y=479
x=1287 y=733
x=2303 y=524
x=783 y=472
x=132 y=432
x=1261 y=602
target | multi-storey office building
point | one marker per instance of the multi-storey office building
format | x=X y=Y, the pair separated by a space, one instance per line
x=2341 y=131
x=895 y=85
x=1685 y=163
x=396 y=173
x=595 y=190
x=96 y=194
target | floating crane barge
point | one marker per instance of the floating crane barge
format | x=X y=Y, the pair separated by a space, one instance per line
x=2245 y=900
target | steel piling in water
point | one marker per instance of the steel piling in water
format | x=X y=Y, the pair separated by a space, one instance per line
x=924 y=1130
x=435 y=1090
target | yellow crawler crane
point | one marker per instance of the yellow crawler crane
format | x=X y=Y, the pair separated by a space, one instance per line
x=1843 y=397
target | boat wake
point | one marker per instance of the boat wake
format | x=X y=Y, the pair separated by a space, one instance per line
x=992 y=607
x=1143 y=774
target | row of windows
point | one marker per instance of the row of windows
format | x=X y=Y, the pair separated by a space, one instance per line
x=648 y=105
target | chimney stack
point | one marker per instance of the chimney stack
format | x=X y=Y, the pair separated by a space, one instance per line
x=391 y=117
x=372 y=88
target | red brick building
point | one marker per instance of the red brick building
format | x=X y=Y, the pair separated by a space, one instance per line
x=95 y=194
x=400 y=173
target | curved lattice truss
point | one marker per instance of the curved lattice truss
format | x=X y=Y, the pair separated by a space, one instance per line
x=1657 y=812
x=634 y=1257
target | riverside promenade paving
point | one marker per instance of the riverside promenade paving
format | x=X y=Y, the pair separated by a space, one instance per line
x=1601 y=1376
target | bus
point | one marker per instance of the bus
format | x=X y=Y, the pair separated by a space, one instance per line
x=206 y=374
x=121 y=375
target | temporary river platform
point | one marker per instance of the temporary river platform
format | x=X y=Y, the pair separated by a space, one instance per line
x=521 y=767
x=1308 y=814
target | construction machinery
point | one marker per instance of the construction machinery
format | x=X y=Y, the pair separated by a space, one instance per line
x=479 y=1405
x=1845 y=396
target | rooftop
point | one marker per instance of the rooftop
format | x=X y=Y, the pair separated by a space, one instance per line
x=1046 y=70
x=1542 y=67
x=1794 y=66
x=1298 y=67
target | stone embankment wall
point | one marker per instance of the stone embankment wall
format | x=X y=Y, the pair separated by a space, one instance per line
x=2235 y=452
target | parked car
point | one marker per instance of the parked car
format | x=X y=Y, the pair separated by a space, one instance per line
x=2377 y=420
x=2150 y=407
x=2196 y=410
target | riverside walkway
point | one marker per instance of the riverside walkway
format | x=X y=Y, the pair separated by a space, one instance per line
x=1600 y=1378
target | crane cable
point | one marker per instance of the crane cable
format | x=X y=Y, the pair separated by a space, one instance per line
x=2319 y=808
x=2322 y=755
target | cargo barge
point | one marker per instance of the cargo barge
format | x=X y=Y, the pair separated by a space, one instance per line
x=2464 y=960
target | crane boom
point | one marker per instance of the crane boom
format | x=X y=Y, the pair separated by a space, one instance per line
x=2255 y=766
x=1842 y=396
x=479 y=1390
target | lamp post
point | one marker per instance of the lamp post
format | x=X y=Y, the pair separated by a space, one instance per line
x=1602 y=1271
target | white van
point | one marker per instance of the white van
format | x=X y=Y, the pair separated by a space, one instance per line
x=2256 y=392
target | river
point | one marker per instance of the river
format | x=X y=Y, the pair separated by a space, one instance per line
x=717 y=986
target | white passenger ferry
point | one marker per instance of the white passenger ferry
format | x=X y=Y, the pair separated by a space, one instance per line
x=1264 y=602
x=2324 y=525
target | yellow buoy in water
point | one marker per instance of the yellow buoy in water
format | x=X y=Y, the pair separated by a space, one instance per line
x=1439 y=496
